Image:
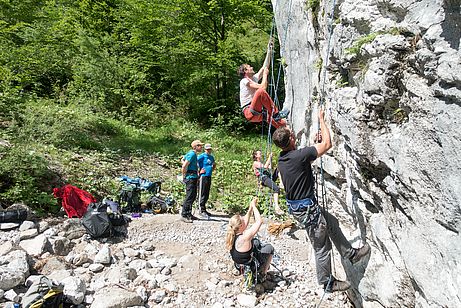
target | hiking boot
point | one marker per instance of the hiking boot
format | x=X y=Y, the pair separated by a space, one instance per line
x=186 y=219
x=208 y=213
x=192 y=217
x=360 y=253
x=337 y=285
x=205 y=215
x=281 y=115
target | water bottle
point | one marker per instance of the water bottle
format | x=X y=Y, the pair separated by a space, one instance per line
x=16 y=305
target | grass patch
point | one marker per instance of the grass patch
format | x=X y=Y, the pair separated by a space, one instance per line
x=357 y=45
x=53 y=145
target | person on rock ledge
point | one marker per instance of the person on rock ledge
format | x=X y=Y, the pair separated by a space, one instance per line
x=321 y=226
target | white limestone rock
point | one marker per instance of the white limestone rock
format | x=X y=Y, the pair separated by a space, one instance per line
x=247 y=300
x=74 y=289
x=6 y=247
x=26 y=225
x=28 y=234
x=35 y=246
x=113 y=297
x=9 y=278
x=104 y=255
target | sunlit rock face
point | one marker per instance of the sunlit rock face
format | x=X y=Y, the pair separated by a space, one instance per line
x=389 y=76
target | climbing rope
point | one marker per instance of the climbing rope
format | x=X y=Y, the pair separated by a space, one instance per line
x=282 y=52
x=321 y=104
x=268 y=147
x=273 y=90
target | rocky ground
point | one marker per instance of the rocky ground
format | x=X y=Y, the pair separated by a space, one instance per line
x=161 y=262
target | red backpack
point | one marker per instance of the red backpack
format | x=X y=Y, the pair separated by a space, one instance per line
x=74 y=200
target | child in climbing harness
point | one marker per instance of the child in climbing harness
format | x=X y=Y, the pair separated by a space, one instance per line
x=266 y=178
x=253 y=95
x=245 y=249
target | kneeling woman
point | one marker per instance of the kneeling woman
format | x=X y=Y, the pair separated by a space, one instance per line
x=241 y=241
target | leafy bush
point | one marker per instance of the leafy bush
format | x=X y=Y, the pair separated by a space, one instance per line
x=355 y=49
x=25 y=177
x=365 y=39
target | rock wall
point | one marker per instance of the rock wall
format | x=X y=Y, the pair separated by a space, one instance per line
x=391 y=85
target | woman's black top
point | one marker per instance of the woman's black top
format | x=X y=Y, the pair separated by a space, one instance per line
x=241 y=257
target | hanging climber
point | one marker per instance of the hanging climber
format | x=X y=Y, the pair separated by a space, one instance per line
x=256 y=103
x=321 y=226
x=267 y=178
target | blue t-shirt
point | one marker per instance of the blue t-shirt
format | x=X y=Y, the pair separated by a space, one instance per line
x=206 y=162
x=192 y=169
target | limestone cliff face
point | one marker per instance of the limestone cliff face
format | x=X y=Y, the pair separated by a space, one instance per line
x=392 y=89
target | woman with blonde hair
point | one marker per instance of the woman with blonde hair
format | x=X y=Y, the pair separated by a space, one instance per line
x=241 y=241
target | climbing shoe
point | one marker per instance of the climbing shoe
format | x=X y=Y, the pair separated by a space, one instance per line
x=281 y=115
x=336 y=285
x=360 y=253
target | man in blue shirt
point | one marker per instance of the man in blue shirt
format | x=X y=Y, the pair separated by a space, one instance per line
x=207 y=165
x=190 y=175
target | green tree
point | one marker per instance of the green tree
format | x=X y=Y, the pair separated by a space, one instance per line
x=174 y=57
x=206 y=42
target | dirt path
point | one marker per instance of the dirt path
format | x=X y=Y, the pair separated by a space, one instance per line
x=200 y=246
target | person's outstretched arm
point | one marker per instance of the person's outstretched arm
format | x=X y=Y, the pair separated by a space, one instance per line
x=270 y=50
x=249 y=212
x=325 y=144
x=263 y=83
x=267 y=61
x=249 y=233
x=268 y=161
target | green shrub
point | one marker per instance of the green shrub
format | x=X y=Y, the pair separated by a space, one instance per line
x=25 y=177
x=63 y=126
x=355 y=49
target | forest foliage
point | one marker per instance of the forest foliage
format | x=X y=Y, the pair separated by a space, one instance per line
x=117 y=76
x=131 y=58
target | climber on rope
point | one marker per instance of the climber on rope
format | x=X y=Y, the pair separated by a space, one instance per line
x=266 y=178
x=321 y=226
x=256 y=103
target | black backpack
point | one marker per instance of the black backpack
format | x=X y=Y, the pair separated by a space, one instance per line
x=130 y=198
x=96 y=220
x=13 y=215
